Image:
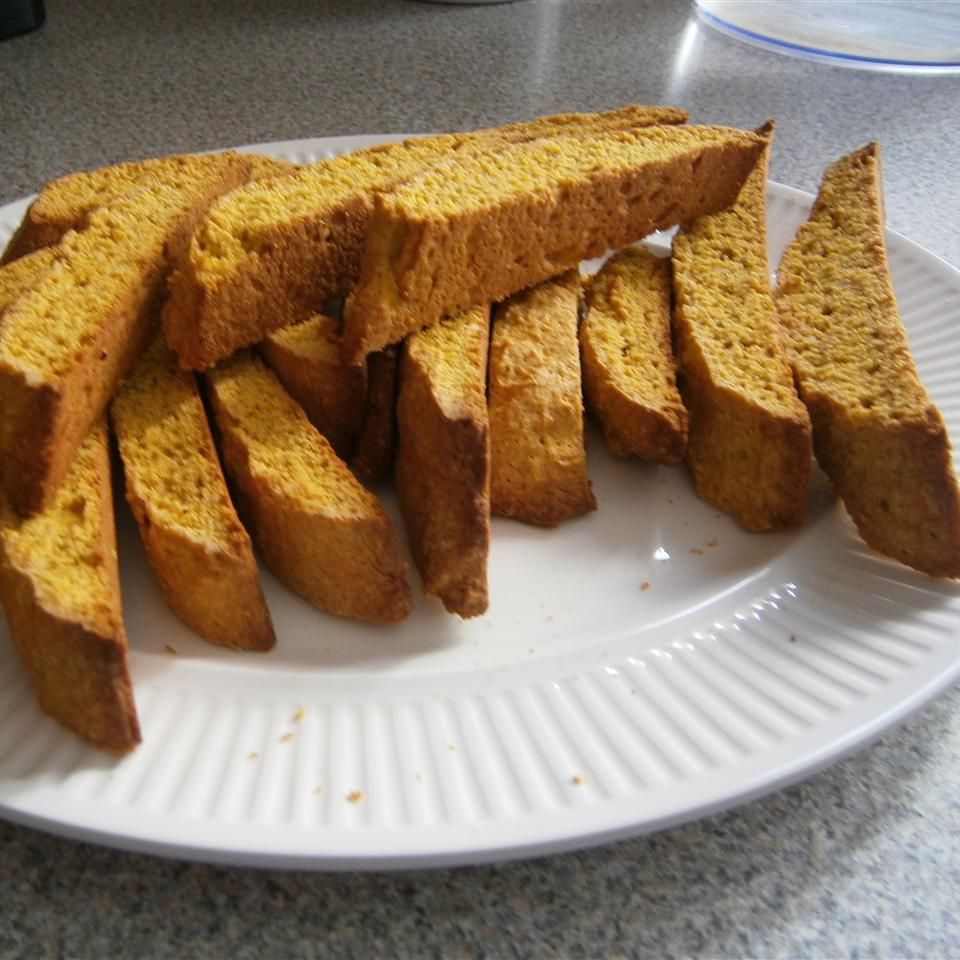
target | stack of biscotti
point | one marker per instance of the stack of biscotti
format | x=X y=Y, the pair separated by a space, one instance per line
x=271 y=253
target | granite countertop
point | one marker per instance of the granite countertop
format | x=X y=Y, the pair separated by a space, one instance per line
x=862 y=859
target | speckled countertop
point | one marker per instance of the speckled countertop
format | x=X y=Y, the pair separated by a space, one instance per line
x=861 y=860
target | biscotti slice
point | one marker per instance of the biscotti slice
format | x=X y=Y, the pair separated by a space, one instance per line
x=537 y=459
x=876 y=434
x=60 y=589
x=493 y=223
x=629 y=377
x=323 y=535
x=749 y=444
x=443 y=458
x=193 y=539
x=17 y=277
x=376 y=444
x=69 y=340
x=308 y=360
x=275 y=251
x=67 y=202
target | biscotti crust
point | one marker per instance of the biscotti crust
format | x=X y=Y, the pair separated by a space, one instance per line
x=443 y=458
x=538 y=471
x=73 y=648
x=47 y=409
x=628 y=367
x=875 y=432
x=203 y=560
x=323 y=535
x=438 y=244
x=376 y=443
x=749 y=445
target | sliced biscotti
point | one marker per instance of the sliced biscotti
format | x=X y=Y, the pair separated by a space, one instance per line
x=60 y=589
x=749 y=445
x=274 y=251
x=193 y=539
x=67 y=342
x=308 y=359
x=320 y=531
x=629 y=377
x=495 y=222
x=443 y=458
x=538 y=465
x=875 y=432
x=67 y=202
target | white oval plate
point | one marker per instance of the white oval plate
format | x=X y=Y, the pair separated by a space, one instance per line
x=639 y=667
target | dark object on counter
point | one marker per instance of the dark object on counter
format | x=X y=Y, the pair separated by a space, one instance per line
x=20 y=16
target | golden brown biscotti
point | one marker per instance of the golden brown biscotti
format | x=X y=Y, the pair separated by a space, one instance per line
x=308 y=361
x=443 y=458
x=323 y=535
x=67 y=342
x=194 y=541
x=538 y=465
x=60 y=589
x=749 y=445
x=17 y=277
x=67 y=202
x=493 y=223
x=376 y=444
x=876 y=434
x=275 y=251
x=629 y=376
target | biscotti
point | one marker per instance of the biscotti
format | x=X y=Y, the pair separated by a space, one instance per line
x=194 y=541
x=629 y=377
x=443 y=458
x=66 y=203
x=537 y=457
x=270 y=254
x=749 y=445
x=68 y=341
x=60 y=589
x=308 y=360
x=876 y=434
x=377 y=441
x=323 y=535
x=493 y=223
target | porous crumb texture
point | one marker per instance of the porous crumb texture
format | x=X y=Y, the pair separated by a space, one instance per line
x=320 y=531
x=270 y=253
x=749 y=438
x=17 y=277
x=629 y=376
x=66 y=203
x=60 y=588
x=494 y=222
x=537 y=457
x=62 y=549
x=443 y=458
x=308 y=359
x=67 y=341
x=875 y=432
x=176 y=489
